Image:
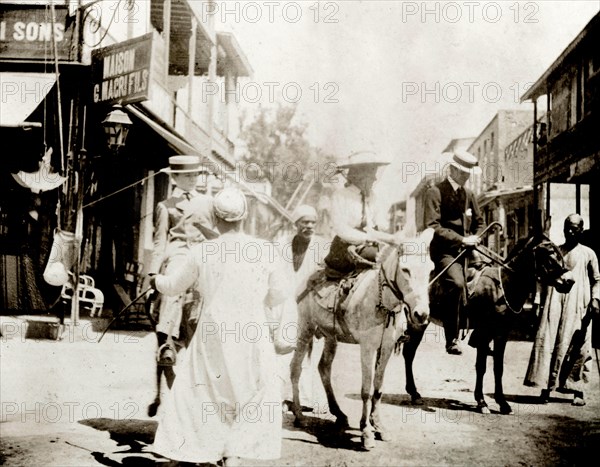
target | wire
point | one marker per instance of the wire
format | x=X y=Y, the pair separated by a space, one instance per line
x=120 y=190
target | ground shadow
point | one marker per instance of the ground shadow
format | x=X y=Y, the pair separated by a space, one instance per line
x=429 y=404
x=135 y=435
x=524 y=399
x=328 y=433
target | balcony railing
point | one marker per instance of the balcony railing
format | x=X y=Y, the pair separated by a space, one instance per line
x=552 y=161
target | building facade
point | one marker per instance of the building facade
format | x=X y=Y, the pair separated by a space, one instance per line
x=567 y=152
x=66 y=65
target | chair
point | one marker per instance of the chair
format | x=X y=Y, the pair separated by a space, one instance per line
x=89 y=296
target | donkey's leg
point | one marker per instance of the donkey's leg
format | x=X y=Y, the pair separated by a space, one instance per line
x=383 y=357
x=408 y=352
x=368 y=349
x=153 y=407
x=480 y=368
x=499 y=348
x=305 y=336
x=161 y=338
x=325 y=363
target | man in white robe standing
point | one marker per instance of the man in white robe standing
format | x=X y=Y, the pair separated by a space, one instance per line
x=304 y=253
x=561 y=356
x=225 y=404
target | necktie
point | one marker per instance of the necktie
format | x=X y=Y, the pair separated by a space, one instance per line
x=363 y=222
x=187 y=195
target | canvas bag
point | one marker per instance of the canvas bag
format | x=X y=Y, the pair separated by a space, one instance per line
x=63 y=255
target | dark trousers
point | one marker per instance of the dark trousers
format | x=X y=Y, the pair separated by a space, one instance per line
x=451 y=302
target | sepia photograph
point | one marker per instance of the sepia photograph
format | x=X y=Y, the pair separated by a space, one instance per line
x=299 y=233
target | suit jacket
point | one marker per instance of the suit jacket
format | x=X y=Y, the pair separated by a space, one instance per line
x=452 y=215
x=179 y=222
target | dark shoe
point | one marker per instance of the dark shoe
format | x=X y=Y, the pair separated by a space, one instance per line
x=545 y=396
x=453 y=349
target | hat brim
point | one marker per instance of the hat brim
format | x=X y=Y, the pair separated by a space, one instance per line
x=361 y=164
x=184 y=171
x=473 y=170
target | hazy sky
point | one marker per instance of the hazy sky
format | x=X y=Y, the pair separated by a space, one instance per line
x=400 y=78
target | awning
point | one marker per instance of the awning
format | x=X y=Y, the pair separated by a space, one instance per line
x=181 y=146
x=235 y=57
x=20 y=95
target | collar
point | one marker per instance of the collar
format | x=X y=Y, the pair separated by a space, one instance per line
x=455 y=186
x=178 y=193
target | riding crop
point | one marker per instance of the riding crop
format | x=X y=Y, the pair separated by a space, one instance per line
x=143 y=294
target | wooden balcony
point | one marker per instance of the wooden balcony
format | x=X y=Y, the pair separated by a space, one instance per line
x=553 y=161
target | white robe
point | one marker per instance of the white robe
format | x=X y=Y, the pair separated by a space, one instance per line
x=225 y=401
x=562 y=354
x=311 y=389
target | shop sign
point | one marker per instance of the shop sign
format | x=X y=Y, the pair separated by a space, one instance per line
x=121 y=72
x=26 y=33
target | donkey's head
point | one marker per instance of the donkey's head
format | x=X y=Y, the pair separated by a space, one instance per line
x=544 y=260
x=412 y=267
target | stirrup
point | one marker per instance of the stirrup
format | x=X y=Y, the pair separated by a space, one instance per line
x=166 y=355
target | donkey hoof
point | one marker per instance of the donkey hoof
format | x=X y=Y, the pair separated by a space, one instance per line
x=300 y=421
x=383 y=435
x=368 y=440
x=483 y=408
x=416 y=399
x=153 y=408
x=505 y=408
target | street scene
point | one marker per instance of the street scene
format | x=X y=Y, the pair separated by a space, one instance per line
x=299 y=233
x=87 y=406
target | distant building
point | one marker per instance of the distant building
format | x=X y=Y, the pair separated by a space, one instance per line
x=489 y=147
x=397 y=216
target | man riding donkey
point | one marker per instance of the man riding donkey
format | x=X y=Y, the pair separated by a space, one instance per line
x=357 y=240
x=184 y=219
x=452 y=211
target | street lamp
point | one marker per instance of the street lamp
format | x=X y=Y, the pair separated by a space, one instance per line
x=116 y=126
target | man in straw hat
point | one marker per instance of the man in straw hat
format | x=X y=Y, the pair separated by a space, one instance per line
x=225 y=403
x=182 y=220
x=352 y=213
x=451 y=210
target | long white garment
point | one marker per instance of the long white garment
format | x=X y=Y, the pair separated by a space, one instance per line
x=311 y=389
x=225 y=401
x=561 y=323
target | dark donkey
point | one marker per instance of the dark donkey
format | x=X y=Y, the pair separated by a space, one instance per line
x=186 y=331
x=501 y=292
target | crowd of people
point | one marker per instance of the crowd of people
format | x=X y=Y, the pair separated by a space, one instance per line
x=230 y=294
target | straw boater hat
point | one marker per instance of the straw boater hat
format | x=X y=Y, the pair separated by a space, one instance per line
x=184 y=164
x=465 y=161
x=304 y=210
x=363 y=158
x=230 y=205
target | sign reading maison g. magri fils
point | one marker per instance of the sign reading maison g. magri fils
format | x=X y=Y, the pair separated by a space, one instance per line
x=26 y=33
x=121 y=72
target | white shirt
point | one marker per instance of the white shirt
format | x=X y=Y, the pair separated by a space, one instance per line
x=347 y=214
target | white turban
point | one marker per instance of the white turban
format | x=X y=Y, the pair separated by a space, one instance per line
x=230 y=205
x=304 y=210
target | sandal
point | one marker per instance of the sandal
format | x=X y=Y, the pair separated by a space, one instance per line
x=166 y=355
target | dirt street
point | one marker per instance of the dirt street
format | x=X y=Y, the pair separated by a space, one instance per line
x=78 y=403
